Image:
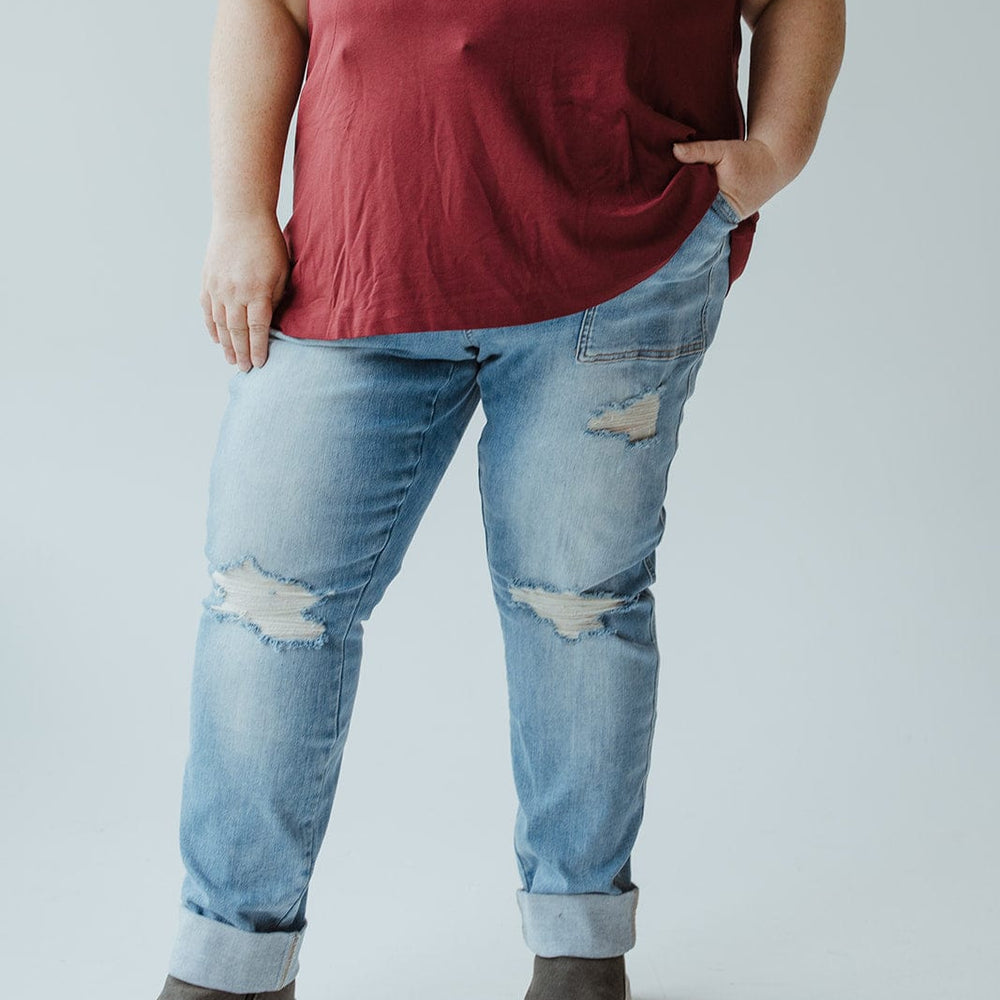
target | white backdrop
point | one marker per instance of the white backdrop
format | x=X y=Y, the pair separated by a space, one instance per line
x=822 y=812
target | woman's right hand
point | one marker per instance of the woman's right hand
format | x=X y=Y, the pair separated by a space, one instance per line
x=244 y=275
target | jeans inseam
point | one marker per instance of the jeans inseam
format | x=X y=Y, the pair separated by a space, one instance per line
x=350 y=624
x=388 y=537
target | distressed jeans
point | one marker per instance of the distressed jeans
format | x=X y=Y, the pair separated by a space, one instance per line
x=326 y=460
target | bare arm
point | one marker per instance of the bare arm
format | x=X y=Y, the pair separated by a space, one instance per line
x=795 y=57
x=257 y=63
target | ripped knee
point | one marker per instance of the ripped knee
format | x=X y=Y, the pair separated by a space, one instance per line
x=278 y=609
x=571 y=614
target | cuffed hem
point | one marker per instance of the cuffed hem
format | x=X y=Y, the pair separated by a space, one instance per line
x=218 y=956
x=587 y=925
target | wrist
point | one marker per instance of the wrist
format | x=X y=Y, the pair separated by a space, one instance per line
x=227 y=214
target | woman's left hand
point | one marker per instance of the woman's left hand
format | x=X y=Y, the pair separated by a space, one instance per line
x=747 y=171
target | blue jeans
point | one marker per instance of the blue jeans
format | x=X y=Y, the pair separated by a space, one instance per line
x=327 y=457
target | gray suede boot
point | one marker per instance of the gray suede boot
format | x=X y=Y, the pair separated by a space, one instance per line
x=177 y=989
x=567 y=977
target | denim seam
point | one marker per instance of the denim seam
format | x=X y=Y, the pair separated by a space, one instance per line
x=652 y=718
x=388 y=537
x=292 y=945
x=493 y=576
x=587 y=355
x=708 y=297
x=311 y=854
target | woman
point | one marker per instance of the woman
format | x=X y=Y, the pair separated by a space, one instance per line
x=537 y=206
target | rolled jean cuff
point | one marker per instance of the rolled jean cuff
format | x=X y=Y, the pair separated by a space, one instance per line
x=218 y=956
x=587 y=925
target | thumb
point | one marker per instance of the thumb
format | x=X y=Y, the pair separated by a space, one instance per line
x=699 y=152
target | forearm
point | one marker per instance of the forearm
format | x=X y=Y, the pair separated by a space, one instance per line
x=795 y=55
x=258 y=58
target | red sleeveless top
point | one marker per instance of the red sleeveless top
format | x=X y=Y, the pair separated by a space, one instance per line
x=485 y=163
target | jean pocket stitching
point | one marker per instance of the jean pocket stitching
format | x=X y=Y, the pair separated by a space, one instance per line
x=586 y=353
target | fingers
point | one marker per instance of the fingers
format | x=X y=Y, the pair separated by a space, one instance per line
x=258 y=315
x=239 y=334
x=222 y=330
x=703 y=151
x=206 y=305
x=746 y=170
x=241 y=331
x=246 y=268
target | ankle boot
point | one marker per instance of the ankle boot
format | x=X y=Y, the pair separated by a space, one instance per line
x=567 y=977
x=177 y=989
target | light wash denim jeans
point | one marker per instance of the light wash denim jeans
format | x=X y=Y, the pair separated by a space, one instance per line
x=327 y=457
